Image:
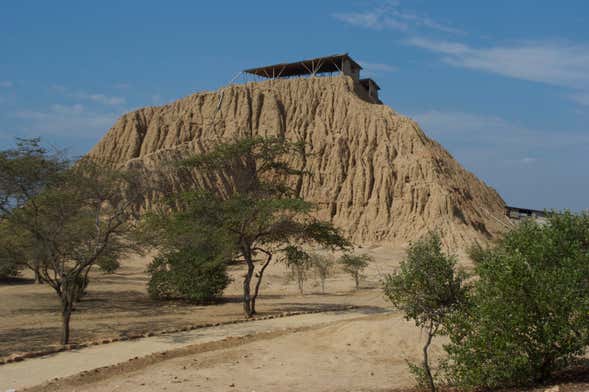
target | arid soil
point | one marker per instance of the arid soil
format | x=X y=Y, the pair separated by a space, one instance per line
x=361 y=354
x=118 y=304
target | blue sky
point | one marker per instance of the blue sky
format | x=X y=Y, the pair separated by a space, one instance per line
x=503 y=85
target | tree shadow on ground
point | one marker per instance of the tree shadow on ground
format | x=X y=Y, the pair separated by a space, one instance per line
x=16 y=281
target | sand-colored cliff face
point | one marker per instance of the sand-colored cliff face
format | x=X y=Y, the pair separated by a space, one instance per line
x=375 y=174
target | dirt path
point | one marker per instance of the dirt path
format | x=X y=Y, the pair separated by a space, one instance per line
x=39 y=370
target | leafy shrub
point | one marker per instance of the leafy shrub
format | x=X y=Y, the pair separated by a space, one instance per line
x=109 y=264
x=10 y=253
x=527 y=314
x=354 y=265
x=8 y=268
x=190 y=274
x=427 y=289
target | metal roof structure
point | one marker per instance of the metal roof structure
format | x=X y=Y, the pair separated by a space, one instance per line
x=314 y=66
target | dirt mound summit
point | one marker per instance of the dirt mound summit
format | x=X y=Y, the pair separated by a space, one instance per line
x=375 y=174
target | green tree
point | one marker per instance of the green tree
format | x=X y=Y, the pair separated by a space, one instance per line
x=72 y=220
x=323 y=266
x=25 y=171
x=253 y=211
x=355 y=265
x=527 y=312
x=299 y=263
x=426 y=289
x=11 y=255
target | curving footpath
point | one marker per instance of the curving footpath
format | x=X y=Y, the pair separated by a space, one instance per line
x=36 y=371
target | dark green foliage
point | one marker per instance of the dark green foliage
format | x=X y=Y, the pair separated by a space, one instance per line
x=11 y=257
x=527 y=314
x=354 y=265
x=108 y=264
x=426 y=289
x=191 y=274
x=9 y=268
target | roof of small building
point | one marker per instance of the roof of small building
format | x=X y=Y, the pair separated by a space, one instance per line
x=364 y=82
x=526 y=211
x=305 y=67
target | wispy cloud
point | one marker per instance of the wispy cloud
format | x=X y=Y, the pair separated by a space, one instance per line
x=391 y=16
x=559 y=64
x=375 y=20
x=6 y=84
x=528 y=160
x=529 y=167
x=580 y=98
x=64 y=120
x=377 y=68
x=102 y=99
x=494 y=133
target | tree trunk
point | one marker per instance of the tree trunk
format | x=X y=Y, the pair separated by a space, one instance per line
x=37 y=275
x=65 y=319
x=259 y=282
x=247 y=305
x=357 y=280
x=428 y=373
x=301 y=280
x=322 y=286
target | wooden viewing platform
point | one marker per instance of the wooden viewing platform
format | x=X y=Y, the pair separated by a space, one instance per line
x=341 y=63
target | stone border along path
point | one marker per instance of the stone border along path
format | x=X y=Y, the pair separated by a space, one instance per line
x=36 y=371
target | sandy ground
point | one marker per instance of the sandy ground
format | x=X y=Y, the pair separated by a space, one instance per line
x=361 y=350
x=118 y=304
x=37 y=371
x=366 y=353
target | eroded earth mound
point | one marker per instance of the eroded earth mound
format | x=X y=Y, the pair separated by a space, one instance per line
x=375 y=174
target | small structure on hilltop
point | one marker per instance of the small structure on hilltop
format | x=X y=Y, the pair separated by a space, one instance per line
x=516 y=213
x=341 y=63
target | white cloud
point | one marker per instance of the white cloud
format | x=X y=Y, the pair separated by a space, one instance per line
x=581 y=98
x=559 y=64
x=66 y=120
x=553 y=63
x=371 y=20
x=445 y=47
x=528 y=160
x=92 y=97
x=100 y=98
x=492 y=133
x=6 y=84
x=390 y=16
x=376 y=68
